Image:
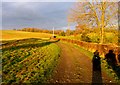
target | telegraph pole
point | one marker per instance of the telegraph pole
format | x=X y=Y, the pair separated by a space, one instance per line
x=53 y=31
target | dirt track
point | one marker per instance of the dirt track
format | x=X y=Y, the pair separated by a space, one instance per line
x=75 y=67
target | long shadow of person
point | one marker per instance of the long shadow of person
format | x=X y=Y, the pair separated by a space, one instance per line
x=119 y=57
x=111 y=59
x=96 y=73
x=112 y=62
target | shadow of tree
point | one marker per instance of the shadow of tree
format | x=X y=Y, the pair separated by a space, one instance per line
x=19 y=66
x=12 y=45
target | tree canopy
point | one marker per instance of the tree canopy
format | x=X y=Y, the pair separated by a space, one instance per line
x=98 y=14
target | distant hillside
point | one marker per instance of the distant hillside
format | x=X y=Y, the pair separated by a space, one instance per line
x=12 y=34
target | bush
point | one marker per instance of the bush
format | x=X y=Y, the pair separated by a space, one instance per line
x=85 y=38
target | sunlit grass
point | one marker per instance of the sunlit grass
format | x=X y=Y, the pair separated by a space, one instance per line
x=110 y=72
x=16 y=35
x=28 y=60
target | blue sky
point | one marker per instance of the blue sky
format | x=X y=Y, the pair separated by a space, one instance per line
x=35 y=14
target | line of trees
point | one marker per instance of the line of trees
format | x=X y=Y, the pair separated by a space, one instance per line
x=81 y=32
x=58 y=32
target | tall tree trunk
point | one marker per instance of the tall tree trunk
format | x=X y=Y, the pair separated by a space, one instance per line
x=102 y=22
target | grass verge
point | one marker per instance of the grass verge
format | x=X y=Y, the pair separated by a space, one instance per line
x=111 y=73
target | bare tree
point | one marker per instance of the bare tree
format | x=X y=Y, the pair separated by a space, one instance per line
x=100 y=14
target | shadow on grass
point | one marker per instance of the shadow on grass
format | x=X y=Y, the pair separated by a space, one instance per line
x=9 y=42
x=12 y=45
x=116 y=69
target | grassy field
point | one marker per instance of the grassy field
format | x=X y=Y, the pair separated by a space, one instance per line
x=27 y=56
x=28 y=60
x=16 y=35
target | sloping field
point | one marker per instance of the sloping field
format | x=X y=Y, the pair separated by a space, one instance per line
x=16 y=35
x=28 y=60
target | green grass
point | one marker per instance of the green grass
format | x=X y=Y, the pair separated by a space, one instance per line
x=28 y=60
x=82 y=50
x=109 y=37
x=16 y=35
x=77 y=37
x=31 y=60
x=104 y=65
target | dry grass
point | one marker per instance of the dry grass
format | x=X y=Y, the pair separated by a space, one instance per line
x=15 y=35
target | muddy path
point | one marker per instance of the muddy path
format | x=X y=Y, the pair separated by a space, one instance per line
x=76 y=67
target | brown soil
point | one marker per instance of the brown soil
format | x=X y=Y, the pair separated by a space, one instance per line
x=75 y=67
